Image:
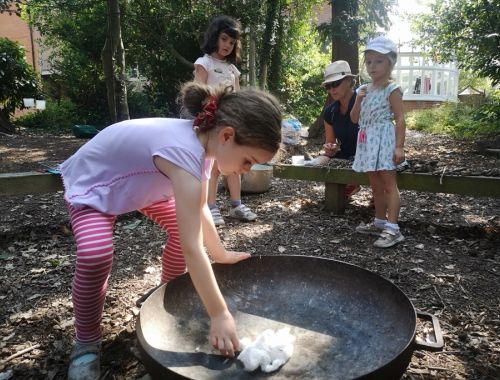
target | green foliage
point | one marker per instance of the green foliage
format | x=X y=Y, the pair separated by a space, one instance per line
x=302 y=63
x=57 y=117
x=301 y=91
x=140 y=105
x=465 y=30
x=371 y=14
x=459 y=120
x=18 y=80
x=74 y=34
x=10 y=6
x=162 y=39
x=468 y=78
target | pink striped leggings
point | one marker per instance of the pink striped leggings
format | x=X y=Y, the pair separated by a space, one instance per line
x=93 y=233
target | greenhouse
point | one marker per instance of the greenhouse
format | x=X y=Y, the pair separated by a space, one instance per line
x=424 y=81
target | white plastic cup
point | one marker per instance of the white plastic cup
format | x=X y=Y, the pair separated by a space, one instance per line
x=297 y=160
x=40 y=104
x=29 y=102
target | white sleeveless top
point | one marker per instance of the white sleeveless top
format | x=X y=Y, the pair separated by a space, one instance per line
x=218 y=71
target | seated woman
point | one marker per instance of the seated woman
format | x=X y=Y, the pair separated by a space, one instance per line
x=340 y=132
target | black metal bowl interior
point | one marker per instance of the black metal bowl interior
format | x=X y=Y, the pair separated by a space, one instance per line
x=348 y=322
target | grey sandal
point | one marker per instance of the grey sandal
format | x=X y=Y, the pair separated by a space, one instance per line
x=85 y=361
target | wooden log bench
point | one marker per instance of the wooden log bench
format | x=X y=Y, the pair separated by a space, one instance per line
x=336 y=179
x=29 y=183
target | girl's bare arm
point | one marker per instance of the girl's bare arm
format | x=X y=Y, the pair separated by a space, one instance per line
x=211 y=236
x=188 y=198
x=396 y=101
x=200 y=74
x=356 y=108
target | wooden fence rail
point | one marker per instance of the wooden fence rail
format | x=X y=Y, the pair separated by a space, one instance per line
x=336 y=179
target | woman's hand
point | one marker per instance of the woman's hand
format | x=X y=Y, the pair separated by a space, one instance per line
x=223 y=335
x=331 y=149
x=398 y=156
x=231 y=257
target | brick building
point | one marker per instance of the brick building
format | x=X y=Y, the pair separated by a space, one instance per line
x=16 y=29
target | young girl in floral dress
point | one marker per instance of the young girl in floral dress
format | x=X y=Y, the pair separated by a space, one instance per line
x=380 y=148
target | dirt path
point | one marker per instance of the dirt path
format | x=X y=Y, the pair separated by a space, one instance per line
x=448 y=265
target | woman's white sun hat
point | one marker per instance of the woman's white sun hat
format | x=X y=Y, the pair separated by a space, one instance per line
x=337 y=70
x=382 y=45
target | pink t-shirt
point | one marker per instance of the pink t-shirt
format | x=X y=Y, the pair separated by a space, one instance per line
x=114 y=172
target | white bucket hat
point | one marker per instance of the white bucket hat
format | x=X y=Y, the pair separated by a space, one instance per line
x=382 y=45
x=337 y=70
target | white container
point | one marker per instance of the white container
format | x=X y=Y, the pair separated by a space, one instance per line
x=257 y=180
x=40 y=104
x=298 y=160
x=29 y=102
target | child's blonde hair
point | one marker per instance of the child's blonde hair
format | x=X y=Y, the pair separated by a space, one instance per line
x=255 y=115
x=386 y=47
x=391 y=57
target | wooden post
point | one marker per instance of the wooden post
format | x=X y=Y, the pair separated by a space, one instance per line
x=335 y=197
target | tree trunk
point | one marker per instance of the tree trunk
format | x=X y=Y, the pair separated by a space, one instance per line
x=267 y=46
x=114 y=74
x=345 y=39
x=5 y=124
x=121 y=80
x=274 y=75
x=317 y=129
x=344 y=47
x=251 y=57
x=180 y=58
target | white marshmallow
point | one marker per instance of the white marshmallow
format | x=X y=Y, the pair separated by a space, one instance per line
x=270 y=350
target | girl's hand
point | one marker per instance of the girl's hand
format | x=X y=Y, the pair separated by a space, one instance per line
x=361 y=93
x=398 y=156
x=331 y=149
x=223 y=334
x=232 y=257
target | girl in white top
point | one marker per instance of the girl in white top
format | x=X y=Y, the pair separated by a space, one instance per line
x=380 y=147
x=216 y=68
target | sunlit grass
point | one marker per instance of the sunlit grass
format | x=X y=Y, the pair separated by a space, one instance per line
x=458 y=120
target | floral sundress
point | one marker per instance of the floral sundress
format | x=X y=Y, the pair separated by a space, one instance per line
x=377 y=134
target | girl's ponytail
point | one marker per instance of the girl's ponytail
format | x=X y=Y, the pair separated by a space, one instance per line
x=255 y=115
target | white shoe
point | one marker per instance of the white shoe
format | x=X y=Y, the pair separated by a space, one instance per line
x=242 y=212
x=388 y=238
x=369 y=229
x=217 y=217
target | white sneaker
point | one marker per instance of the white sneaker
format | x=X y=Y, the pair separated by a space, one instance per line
x=217 y=217
x=388 y=238
x=369 y=229
x=242 y=212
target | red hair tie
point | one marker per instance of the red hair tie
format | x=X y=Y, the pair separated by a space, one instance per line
x=205 y=119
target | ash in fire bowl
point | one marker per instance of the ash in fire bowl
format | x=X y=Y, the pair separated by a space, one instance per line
x=347 y=322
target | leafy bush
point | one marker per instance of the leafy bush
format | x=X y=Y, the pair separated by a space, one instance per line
x=57 y=117
x=139 y=105
x=459 y=120
x=18 y=80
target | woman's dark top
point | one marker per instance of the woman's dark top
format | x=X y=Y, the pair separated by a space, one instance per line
x=345 y=130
